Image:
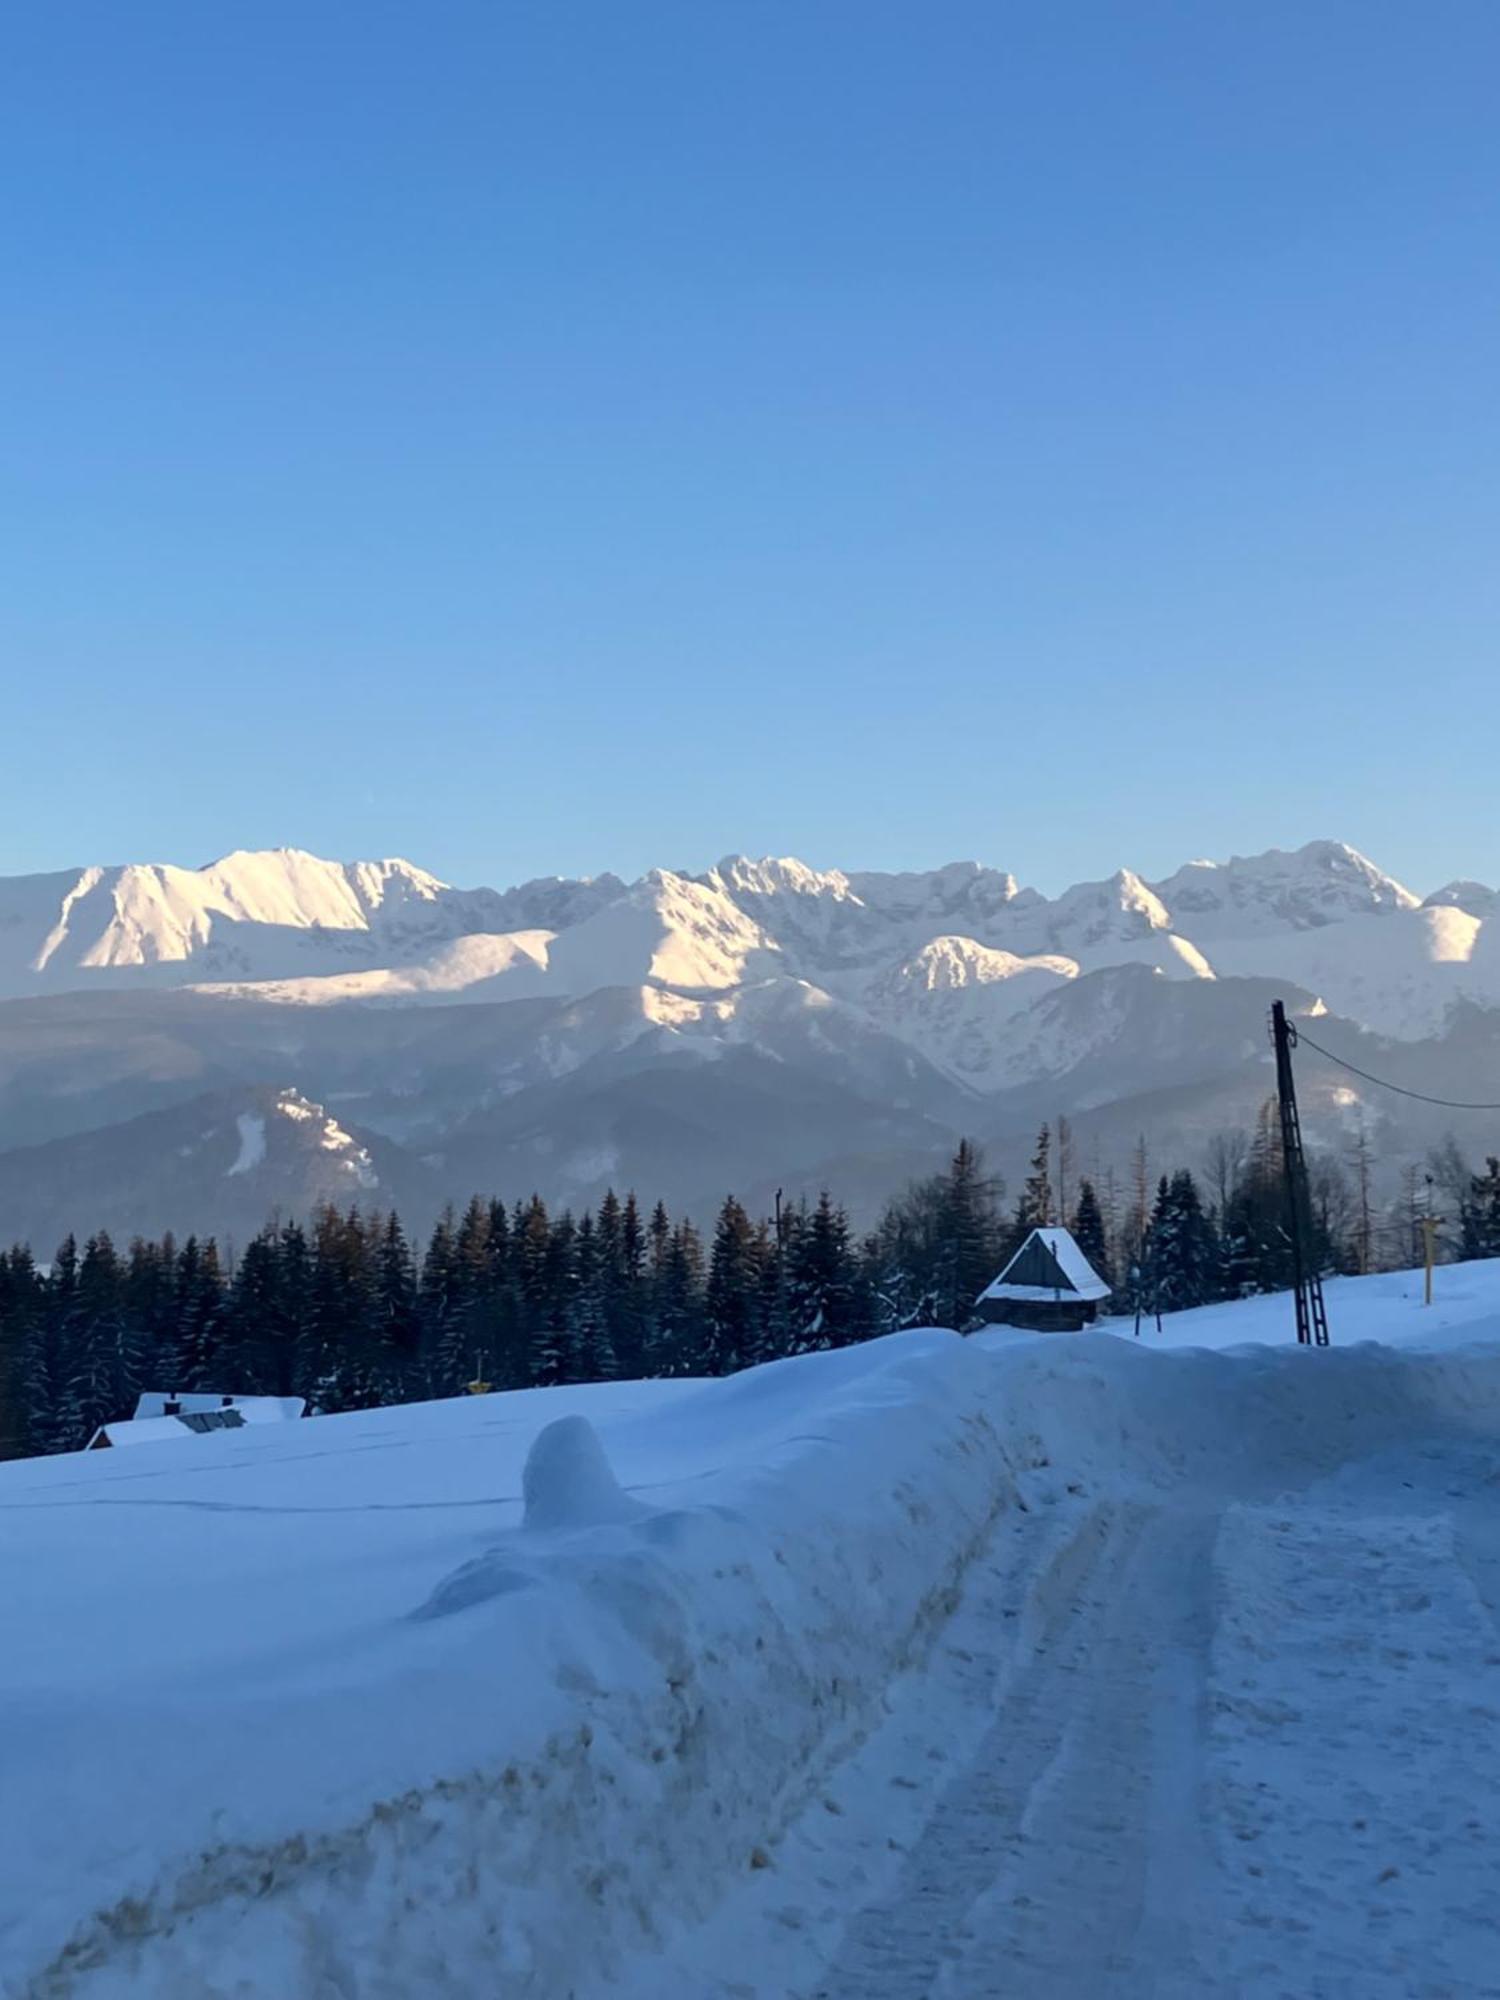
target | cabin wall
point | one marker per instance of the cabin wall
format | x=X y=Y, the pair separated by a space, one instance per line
x=1040 y=1316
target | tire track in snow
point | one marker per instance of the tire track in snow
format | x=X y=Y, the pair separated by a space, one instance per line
x=1054 y=1867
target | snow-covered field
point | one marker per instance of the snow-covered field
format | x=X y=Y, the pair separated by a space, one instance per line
x=1040 y=1667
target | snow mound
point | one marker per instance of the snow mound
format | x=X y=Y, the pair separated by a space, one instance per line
x=568 y=1483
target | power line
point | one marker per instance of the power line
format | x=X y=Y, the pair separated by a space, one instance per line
x=1381 y=1083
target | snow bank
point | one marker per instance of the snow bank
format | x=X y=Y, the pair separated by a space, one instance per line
x=322 y=1741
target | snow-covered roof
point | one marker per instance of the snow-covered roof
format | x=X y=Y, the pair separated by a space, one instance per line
x=252 y=1409
x=1052 y=1257
x=160 y=1430
x=194 y=1415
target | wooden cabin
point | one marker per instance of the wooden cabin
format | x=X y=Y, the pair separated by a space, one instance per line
x=1049 y=1286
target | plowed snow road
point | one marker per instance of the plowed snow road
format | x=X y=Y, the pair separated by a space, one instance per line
x=1232 y=1745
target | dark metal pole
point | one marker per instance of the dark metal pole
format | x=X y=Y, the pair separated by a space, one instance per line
x=1312 y=1320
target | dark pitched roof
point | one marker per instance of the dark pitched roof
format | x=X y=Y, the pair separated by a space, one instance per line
x=1049 y=1264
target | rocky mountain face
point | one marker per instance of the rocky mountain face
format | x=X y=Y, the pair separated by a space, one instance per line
x=218 y=1164
x=761 y=1024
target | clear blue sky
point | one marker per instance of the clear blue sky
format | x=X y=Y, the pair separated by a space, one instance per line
x=549 y=437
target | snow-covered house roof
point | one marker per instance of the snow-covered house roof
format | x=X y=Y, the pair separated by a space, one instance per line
x=160 y=1430
x=160 y=1417
x=252 y=1409
x=1049 y=1265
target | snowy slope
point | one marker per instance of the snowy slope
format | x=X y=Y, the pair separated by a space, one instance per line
x=875 y=1671
x=1398 y=974
x=1387 y=1307
x=483 y=966
x=955 y=999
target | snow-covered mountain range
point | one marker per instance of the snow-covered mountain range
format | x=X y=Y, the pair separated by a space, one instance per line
x=762 y=1020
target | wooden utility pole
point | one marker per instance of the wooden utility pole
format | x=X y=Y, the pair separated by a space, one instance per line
x=1312 y=1320
x=1429 y=1227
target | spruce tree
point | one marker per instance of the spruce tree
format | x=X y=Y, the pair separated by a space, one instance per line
x=622 y=1242
x=774 y=1313
x=21 y=1294
x=973 y=1245
x=1479 y=1219
x=590 y=1348
x=555 y=1351
x=531 y=1237
x=1035 y=1210
x=733 y=1293
x=150 y=1305
x=679 y=1307
x=656 y=1358
x=293 y=1346
x=465 y=1347
x=628 y=1321
x=54 y=1420
x=825 y=1280
x=438 y=1295
x=102 y=1382
x=190 y=1349
x=1089 y=1232
x=51 y=1418
x=344 y=1312
x=398 y=1365
x=252 y=1316
x=1181 y=1251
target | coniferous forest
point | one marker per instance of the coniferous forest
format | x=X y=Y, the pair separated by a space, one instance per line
x=345 y=1310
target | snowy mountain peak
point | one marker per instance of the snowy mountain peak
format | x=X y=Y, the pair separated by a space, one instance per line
x=774 y=875
x=261 y=880
x=959 y=887
x=667 y=929
x=1096 y=913
x=269 y=914
x=1306 y=888
x=1475 y=899
x=962 y=961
